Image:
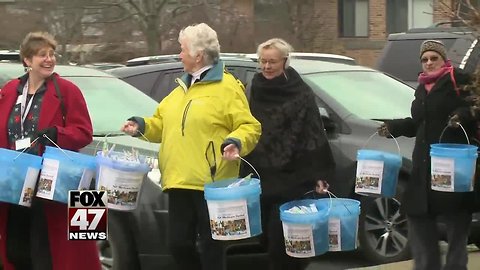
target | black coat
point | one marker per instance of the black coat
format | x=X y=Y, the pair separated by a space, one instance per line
x=293 y=151
x=430 y=114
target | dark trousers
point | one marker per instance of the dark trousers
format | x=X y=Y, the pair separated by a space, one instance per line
x=188 y=218
x=274 y=240
x=424 y=237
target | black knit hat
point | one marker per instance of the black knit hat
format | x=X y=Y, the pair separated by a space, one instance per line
x=434 y=45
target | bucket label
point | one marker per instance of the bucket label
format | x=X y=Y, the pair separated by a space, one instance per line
x=48 y=178
x=229 y=219
x=334 y=235
x=443 y=172
x=369 y=176
x=298 y=240
x=28 y=187
x=122 y=187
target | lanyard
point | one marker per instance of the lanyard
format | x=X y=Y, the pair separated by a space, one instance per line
x=24 y=111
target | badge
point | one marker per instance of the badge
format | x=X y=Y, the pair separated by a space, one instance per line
x=22 y=143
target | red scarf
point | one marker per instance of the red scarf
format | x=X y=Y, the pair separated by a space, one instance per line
x=430 y=79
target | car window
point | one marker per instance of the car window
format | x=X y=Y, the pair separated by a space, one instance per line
x=144 y=82
x=111 y=101
x=407 y=68
x=366 y=94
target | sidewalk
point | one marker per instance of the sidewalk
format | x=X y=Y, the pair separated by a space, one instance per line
x=473 y=261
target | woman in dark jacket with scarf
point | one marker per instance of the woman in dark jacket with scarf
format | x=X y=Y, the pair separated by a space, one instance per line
x=293 y=153
x=438 y=103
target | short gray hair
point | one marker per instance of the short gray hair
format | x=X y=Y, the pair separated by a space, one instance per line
x=201 y=37
x=277 y=43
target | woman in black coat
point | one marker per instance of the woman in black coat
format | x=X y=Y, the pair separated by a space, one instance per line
x=293 y=152
x=438 y=103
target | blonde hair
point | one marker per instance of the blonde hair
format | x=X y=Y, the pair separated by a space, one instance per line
x=34 y=42
x=281 y=45
x=201 y=37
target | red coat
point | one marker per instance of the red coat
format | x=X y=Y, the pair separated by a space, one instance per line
x=74 y=135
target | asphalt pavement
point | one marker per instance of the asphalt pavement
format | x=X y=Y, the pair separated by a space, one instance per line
x=473 y=261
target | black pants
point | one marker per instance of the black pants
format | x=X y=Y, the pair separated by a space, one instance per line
x=27 y=240
x=274 y=240
x=424 y=237
x=188 y=218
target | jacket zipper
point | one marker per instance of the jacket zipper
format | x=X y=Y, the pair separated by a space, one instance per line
x=184 y=118
x=212 y=165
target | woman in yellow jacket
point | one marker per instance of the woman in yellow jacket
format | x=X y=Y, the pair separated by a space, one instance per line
x=203 y=125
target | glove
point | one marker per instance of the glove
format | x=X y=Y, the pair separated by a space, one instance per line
x=454 y=121
x=383 y=130
x=49 y=132
x=322 y=187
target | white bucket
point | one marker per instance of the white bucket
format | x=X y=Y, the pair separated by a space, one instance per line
x=121 y=179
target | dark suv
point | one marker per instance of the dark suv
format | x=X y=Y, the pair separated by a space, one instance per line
x=350 y=98
x=400 y=56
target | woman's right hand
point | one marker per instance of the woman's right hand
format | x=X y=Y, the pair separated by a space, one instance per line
x=130 y=127
x=383 y=130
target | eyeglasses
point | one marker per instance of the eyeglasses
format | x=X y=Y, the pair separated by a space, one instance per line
x=271 y=62
x=432 y=59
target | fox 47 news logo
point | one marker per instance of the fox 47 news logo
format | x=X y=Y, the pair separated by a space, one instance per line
x=87 y=215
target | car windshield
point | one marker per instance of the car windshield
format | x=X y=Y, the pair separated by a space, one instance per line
x=366 y=94
x=112 y=101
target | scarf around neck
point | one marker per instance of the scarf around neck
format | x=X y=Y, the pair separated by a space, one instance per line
x=424 y=78
x=291 y=123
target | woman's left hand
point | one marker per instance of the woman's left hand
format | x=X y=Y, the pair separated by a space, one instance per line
x=322 y=187
x=231 y=152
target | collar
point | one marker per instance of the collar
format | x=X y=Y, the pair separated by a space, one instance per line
x=215 y=74
x=198 y=73
x=23 y=80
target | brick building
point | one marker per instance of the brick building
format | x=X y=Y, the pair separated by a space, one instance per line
x=358 y=28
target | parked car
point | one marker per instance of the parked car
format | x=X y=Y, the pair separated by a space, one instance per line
x=156 y=76
x=351 y=99
x=9 y=56
x=400 y=56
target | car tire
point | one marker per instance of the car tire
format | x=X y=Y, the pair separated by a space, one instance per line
x=383 y=230
x=119 y=252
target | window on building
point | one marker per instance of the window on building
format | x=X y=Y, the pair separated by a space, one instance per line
x=405 y=14
x=353 y=16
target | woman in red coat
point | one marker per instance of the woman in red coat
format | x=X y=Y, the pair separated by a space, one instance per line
x=31 y=106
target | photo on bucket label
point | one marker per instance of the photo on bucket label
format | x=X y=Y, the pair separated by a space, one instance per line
x=298 y=240
x=369 y=176
x=443 y=172
x=229 y=220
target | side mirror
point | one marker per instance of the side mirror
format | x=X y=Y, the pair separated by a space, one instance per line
x=328 y=123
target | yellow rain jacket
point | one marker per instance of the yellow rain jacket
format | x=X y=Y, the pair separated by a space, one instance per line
x=191 y=124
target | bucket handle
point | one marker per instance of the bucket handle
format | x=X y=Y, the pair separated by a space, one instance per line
x=45 y=136
x=330 y=195
x=376 y=133
x=25 y=149
x=447 y=126
x=251 y=166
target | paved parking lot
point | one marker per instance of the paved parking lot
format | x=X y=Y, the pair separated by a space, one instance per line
x=473 y=261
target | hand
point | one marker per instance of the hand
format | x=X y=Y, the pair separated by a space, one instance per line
x=322 y=187
x=454 y=121
x=130 y=128
x=51 y=133
x=231 y=152
x=383 y=131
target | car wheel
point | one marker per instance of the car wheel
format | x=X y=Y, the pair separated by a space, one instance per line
x=383 y=230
